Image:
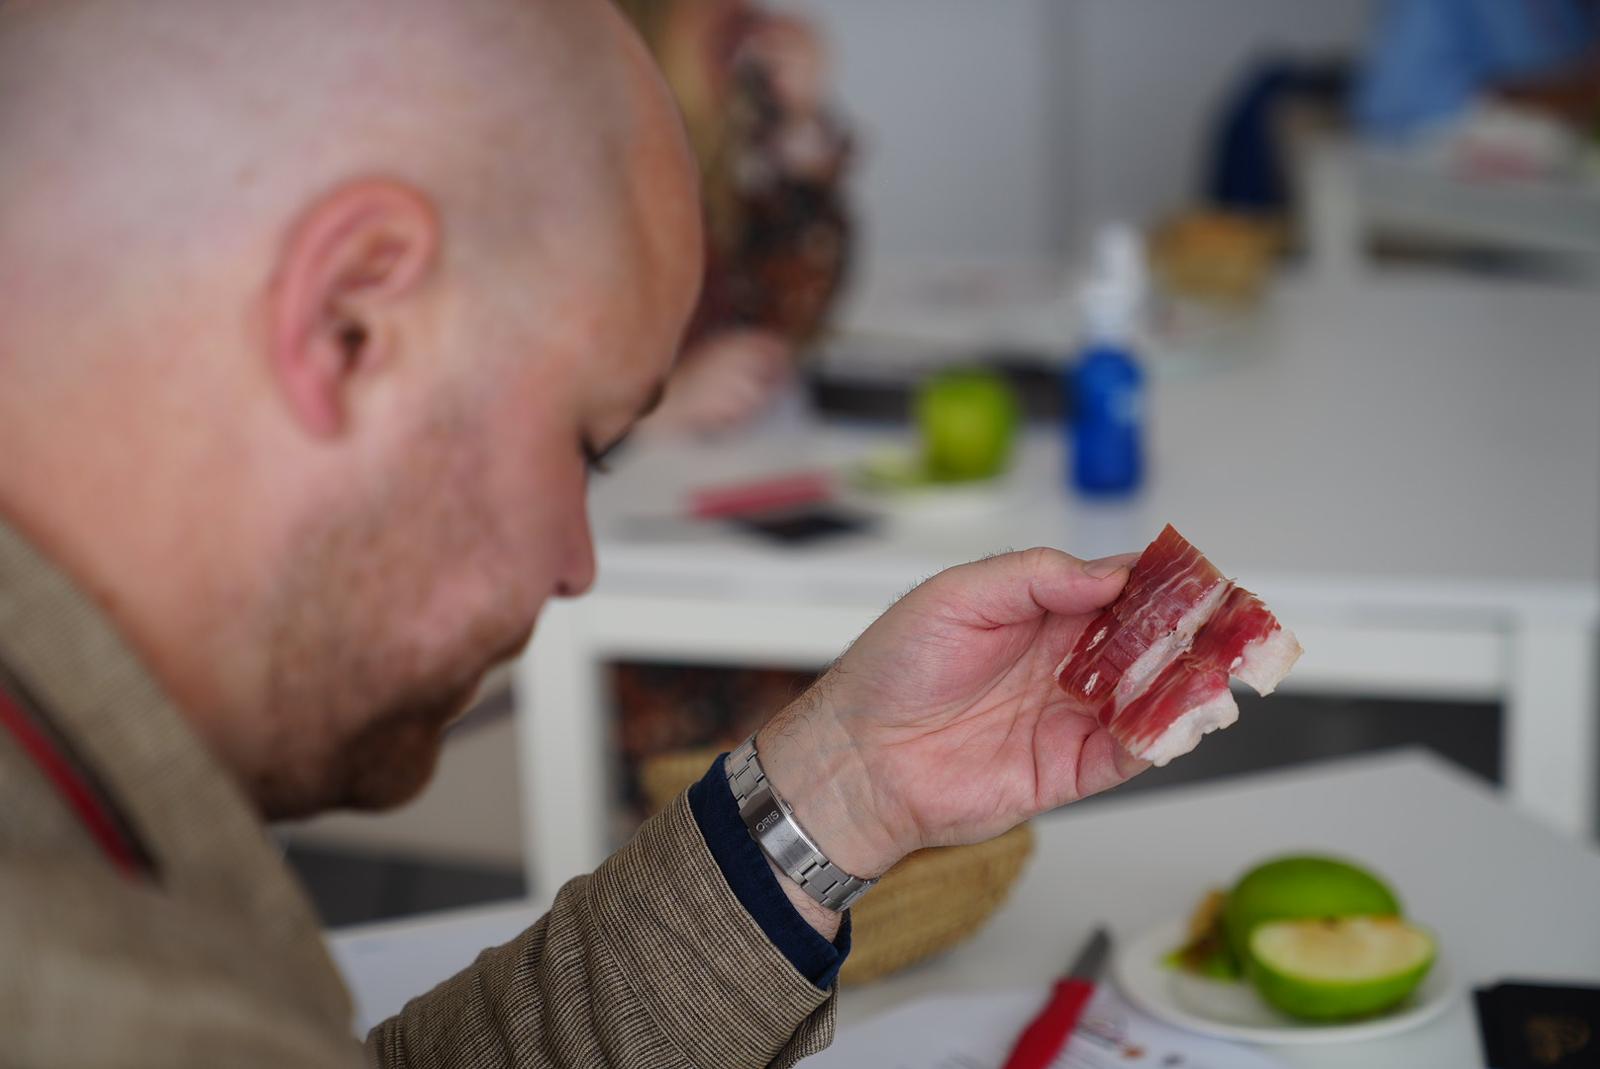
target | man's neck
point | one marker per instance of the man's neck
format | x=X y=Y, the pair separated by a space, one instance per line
x=147 y=584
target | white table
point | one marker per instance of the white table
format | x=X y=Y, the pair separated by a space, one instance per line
x=1408 y=472
x=1508 y=897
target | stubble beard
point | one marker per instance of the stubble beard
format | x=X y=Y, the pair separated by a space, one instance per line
x=356 y=704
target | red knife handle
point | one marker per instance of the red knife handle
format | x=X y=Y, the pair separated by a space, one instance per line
x=1038 y=1046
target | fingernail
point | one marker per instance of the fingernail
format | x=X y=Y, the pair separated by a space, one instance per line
x=1107 y=566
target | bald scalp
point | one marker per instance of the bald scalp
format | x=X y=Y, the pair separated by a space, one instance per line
x=148 y=143
x=309 y=310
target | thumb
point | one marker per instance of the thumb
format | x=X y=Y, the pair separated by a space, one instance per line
x=1014 y=587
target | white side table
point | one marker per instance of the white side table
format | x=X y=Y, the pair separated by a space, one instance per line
x=1409 y=473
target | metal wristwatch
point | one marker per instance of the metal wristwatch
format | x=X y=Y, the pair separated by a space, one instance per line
x=772 y=825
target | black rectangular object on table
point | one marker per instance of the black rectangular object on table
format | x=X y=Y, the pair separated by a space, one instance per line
x=1539 y=1026
x=794 y=527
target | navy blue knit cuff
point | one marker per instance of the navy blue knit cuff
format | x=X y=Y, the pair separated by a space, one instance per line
x=753 y=882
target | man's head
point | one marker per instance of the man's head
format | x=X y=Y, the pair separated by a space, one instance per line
x=309 y=312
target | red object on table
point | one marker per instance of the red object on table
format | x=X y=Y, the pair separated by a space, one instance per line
x=760 y=495
x=1038 y=1046
x=1047 y=1033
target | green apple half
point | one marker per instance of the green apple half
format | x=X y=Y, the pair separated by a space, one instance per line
x=1338 y=968
x=1303 y=886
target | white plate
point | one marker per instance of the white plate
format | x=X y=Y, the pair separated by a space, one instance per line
x=1233 y=1010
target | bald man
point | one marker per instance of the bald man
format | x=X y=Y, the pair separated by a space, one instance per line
x=314 y=316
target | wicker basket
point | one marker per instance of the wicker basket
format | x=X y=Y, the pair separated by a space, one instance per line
x=929 y=902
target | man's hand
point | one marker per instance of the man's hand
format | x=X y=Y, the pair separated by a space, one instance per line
x=943 y=724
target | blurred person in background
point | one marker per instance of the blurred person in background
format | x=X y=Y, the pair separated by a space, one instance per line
x=1431 y=61
x=315 y=317
x=751 y=85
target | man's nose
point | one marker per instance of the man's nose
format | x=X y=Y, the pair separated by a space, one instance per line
x=578 y=563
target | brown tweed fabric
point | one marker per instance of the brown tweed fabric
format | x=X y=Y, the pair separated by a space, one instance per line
x=650 y=961
x=621 y=974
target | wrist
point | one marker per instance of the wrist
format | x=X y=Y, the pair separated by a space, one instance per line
x=814 y=765
x=820 y=917
x=824 y=920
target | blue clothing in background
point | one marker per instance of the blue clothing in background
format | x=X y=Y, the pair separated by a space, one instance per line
x=1247 y=171
x=1429 y=59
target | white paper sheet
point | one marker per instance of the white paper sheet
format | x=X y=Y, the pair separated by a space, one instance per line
x=975 y=1031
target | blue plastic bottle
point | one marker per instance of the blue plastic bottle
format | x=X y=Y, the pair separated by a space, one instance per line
x=1108 y=422
x=1106 y=432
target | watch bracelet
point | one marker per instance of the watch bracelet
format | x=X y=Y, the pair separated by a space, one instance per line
x=774 y=828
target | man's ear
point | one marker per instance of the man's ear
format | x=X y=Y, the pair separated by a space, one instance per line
x=345 y=270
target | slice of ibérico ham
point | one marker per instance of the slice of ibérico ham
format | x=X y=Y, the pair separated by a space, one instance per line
x=1153 y=667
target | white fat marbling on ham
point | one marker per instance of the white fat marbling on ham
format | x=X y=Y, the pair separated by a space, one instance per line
x=1266 y=661
x=1168 y=649
x=1185 y=733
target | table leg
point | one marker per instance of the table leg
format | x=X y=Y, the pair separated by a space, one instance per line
x=1334 y=214
x=563 y=747
x=1552 y=745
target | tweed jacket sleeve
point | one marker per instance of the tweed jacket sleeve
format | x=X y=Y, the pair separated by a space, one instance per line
x=648 y=962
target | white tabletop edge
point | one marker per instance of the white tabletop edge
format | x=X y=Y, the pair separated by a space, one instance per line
x=1417 y=761
x=750 y=573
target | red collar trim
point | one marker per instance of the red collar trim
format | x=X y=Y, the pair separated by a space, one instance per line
x=38 y=741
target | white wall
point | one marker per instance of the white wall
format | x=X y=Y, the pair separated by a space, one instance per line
x=952 y=103
x=1152 y=75
x=1005 y=127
